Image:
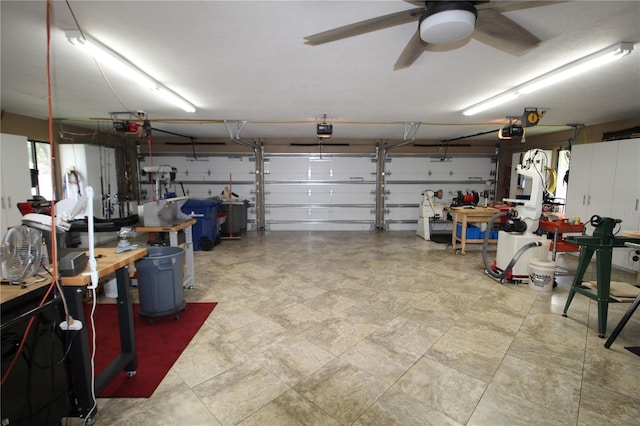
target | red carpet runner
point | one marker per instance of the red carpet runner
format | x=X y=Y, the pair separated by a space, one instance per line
x=159 y=345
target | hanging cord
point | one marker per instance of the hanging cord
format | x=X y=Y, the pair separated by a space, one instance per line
x=53 y=240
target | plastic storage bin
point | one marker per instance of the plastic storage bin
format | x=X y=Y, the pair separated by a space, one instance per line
x=160 y=276
x=236 y=221
x=473 y=232
x=205 y=231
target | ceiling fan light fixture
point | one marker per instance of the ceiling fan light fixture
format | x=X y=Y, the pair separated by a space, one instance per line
x=447 y=22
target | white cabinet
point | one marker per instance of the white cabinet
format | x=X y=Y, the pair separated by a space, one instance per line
x=15 y=182
x=591 y=179
x=604 y=180
x=626 y=197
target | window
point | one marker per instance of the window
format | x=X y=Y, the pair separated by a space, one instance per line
x=40 y=166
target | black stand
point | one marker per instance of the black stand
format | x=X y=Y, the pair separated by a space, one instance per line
x=620 y=326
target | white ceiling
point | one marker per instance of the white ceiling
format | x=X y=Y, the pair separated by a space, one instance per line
x=246 y=60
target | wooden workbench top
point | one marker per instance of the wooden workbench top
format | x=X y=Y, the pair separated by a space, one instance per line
x=475 y=210
x=108 y=261
x=167 y=228
x=10 y=291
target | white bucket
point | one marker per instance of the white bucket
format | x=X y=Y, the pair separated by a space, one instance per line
x=541 y=275
x=111 y=289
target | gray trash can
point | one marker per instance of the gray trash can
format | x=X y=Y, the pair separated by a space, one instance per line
x=160 y=279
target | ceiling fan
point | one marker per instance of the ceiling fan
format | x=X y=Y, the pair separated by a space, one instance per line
x=446 y=25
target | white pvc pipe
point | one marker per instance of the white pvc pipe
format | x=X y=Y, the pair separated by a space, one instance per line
x=93 y=264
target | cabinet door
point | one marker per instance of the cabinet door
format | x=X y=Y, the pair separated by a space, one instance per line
x=591 y=179
x=603 y=164
x=626 y=197
x=578 y=187
x=16 y=179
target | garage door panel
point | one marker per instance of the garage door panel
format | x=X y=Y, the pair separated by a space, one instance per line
x=320 y=226
x=406 y=178
x=301 y=191
x=332 y=194
x=311 y=213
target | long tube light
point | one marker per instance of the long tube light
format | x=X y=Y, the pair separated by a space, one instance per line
x=107 y=56
x=563 y=73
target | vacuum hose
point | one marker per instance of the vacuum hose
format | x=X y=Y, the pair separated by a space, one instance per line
x=515 y=258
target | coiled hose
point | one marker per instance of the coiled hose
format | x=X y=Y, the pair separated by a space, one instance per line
x=515 y=258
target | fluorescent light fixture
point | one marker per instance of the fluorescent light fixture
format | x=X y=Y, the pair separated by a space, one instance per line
x=563 y=73
x=116 y=61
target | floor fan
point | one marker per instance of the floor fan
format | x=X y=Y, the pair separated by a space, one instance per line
x=21 y=253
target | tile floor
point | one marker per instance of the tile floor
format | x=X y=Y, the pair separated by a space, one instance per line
x=359 y=328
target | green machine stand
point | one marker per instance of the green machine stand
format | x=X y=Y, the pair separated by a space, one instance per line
x=602 y=244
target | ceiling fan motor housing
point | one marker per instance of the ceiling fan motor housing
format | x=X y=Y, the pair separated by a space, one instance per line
x=447 y=21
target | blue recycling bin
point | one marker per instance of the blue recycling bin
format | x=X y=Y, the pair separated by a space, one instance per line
x=205 y=230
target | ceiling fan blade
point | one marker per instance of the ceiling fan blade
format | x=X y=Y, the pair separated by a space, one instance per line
x=498 y=31
x=511 y=5
x=362 y=27
x=411 y=52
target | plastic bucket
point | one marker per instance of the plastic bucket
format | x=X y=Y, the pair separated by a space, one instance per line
x=541 y=275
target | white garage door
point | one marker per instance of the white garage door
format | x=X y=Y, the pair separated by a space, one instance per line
x=310 y=193
x=207 y=176
x=407 y=177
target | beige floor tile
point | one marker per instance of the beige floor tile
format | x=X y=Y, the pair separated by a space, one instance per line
x=554 y=389
x=205 y=359
x=254 y=336
x=415 y=336
x=478 y=361
x=601 y=406
x=500 y=408
x=395 y=408
x=290 y=409
x=615 y=369
x=380 y=357
x=442 y=388
x=342 y=390
x=338 y=334
x=239 y=392
x=292 y=358
x=329 y=302
x=298 y=318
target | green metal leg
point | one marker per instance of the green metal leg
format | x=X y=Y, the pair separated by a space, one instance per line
x=585 y=257
x=603 y=263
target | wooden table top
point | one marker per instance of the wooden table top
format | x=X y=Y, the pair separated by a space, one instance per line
x=108 y=261
x=472 y=211
x=10 y=292
x=168 y=228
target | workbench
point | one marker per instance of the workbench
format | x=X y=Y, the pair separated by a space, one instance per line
x=172 y=230
x=108 y=262
x=464 y=216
